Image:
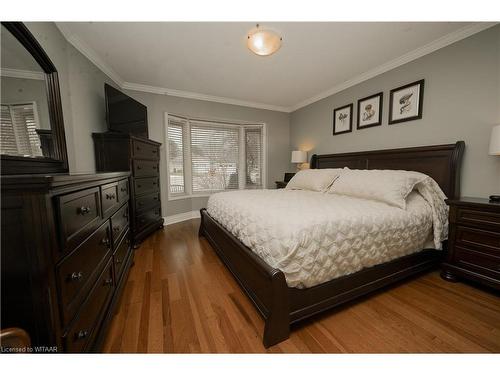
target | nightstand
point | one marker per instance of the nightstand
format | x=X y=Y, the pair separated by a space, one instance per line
x=473 y=242
x=281 y=184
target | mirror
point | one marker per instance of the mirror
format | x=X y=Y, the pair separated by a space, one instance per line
x=25 y=124
x=31 y=127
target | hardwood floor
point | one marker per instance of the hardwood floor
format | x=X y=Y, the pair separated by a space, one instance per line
x=180 y=298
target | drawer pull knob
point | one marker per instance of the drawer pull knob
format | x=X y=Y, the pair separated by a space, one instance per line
x=116 y=229
x=105 y=241
x=154 y=151
x=138 y=148
x=125 y=214
x=118 y=261
x=139 y=186
x=139 y=167
x=84 y=210
x=154 y=183
x=76 y=276
x=127 y=241
x=108 y=282
x=82 y=334
x=110 y=196
x=154 y=167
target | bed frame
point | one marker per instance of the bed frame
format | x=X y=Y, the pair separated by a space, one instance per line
x=266 y=286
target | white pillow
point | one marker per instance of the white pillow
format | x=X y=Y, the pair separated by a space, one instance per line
x=388 y=186
x=314 y=179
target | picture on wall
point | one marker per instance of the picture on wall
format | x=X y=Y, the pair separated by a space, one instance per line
x=342 y=119
x=406 y=102
x=370 y=111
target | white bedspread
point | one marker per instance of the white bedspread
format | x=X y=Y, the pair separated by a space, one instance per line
x=315 y=237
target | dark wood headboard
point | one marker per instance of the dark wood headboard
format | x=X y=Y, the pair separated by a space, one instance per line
x=441 y=162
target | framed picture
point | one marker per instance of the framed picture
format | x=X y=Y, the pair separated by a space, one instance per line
x=370 y=111
x=342 y=119
x=406 y=102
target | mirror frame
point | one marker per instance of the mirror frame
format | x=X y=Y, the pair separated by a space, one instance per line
x=12 y=164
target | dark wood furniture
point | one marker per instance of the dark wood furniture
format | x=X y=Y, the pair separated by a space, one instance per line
x=66 y=254
x=123 y=152
x=57 y=162
x=281 y=305
x=474 y=241
x=281 y=184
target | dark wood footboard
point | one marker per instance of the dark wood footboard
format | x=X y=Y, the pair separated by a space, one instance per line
x=264 y=285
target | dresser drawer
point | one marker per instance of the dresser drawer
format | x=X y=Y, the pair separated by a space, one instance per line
x=480 y=240
x=148 y=217
x=481 y=218
x=144 y=150
x=119 y=223
x=477 y=261
x=123 y=191
x=109 y=197
x=79 y=214
x=81 y=333
x=147 y=201
x=146 y=185
x=78 y=271
x=145 y=168
x=120 y=256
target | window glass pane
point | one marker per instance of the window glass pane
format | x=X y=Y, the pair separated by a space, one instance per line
x=214 y=157
x=175 y=158
x=253 y=158
x=18 y=126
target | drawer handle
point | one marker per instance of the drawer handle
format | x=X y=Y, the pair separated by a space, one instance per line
x=123 y=189
x=155 y=198
x=139 y=186
x=118 y=261
x=84 y=210
x=125 y=214
x=154 y=167
x=116 y=229
x=76 y=276
x=82 y=334
x=139 y=167
x=110 y=196
x=154 y=151
x=138 y=148
x=108 y=282
x=105 y=241
x=127 y=241
x=154 y=183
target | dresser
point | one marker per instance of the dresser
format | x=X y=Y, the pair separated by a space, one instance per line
x=123 y=152
x=474 y=242
x=66 y=254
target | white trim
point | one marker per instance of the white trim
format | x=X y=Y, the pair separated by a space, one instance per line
x=199 y=96
x=184 y=216
x=406 y=58
x=89 y=53
x=439 y=43
x=18 y=73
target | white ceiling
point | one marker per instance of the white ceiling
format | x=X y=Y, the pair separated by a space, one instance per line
x=210 y=61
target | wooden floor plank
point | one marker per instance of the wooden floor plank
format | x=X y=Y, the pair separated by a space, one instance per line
x=180 y=298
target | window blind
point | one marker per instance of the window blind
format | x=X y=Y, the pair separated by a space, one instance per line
x=20 y=130
x=8 y=142
x=214 y=157
x=176 y=155
x=253 y=157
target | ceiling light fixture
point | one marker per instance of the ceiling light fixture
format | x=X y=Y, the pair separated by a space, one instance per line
x=263 y=42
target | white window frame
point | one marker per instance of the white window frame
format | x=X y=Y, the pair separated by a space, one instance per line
x=242 y=125
x=14 y=128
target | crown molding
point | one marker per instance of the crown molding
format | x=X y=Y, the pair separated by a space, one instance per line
x=437 y=44
x=406 y=58
x=18 y=73
x=198 y=96
x=89 y=53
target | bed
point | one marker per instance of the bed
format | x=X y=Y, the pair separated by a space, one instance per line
x=283 y=299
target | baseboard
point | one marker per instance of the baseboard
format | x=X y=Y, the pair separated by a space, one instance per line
x=172 y=219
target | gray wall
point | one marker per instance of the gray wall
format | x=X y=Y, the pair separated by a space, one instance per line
x=461 y=102
x=82 y=95
x=22 y=90
x=277 y=126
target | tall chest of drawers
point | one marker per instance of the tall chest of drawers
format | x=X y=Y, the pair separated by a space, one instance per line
x=124 y=152
x=66 y=254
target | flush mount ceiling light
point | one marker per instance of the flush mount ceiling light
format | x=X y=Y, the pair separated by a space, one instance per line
x=263 y=42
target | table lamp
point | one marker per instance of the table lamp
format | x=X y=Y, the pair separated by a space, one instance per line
x=299 y=157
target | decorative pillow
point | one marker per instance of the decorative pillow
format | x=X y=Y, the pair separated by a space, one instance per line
x=388 y=186
x=314 y=179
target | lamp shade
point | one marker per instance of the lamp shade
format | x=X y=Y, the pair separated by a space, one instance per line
x=299 y=156
x=495 y=141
